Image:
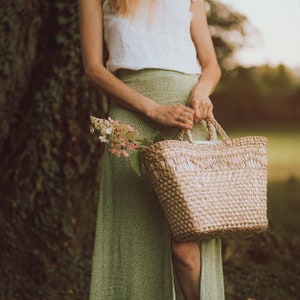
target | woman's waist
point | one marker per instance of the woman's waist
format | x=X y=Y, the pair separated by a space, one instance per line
x=162 y=86
x=152 y=73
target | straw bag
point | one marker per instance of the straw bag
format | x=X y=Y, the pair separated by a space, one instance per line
x=211 y=189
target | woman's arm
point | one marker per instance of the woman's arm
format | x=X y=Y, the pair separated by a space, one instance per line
x=211 y=72
x=90 y=23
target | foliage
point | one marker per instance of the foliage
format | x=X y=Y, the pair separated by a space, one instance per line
x=263 y=95
x=283 y=150
x=267 y=266
x=228 y=29
x=49 y=163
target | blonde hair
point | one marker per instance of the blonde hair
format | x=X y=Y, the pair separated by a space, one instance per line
x=125 y=7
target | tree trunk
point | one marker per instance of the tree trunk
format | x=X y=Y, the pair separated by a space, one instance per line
x=49 y=160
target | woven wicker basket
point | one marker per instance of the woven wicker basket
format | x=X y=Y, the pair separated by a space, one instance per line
x=211 y=190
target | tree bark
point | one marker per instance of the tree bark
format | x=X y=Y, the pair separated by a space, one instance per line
x=49 y=160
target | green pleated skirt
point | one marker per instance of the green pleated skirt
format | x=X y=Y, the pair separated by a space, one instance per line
x=132 y=251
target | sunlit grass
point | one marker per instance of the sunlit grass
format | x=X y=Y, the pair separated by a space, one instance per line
x=262 y=267
x=283 y=151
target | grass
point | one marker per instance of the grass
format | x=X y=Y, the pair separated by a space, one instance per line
x=283 y=151
x=267 y=266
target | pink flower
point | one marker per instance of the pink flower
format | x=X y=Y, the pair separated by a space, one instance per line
x=122 y=138
x=133 y=146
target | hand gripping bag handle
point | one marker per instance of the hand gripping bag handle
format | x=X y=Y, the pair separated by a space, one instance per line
x=212 y=125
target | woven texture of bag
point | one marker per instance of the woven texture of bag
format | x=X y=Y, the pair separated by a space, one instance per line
x=211 y=190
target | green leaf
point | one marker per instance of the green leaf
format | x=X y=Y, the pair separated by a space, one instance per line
x=136 y=162
x=158 y=137
x=143 y=141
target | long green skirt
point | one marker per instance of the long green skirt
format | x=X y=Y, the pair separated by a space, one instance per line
x=132 y=252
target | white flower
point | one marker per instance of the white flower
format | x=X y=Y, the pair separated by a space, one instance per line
x=108 y=130
x=103 y=139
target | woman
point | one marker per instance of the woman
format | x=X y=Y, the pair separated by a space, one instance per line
x=156 y=83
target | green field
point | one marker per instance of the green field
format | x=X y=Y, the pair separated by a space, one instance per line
x=267 y=267
x=283 y=152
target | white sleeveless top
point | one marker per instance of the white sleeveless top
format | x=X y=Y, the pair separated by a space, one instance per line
x=160 y=39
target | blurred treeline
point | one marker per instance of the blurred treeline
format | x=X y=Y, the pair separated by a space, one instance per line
x=259 y=96
x=50 y=163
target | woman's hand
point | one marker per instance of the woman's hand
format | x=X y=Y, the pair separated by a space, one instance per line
x=201 y=104
x=174 y=115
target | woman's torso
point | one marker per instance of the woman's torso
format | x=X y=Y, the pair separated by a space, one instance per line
x=157 y=39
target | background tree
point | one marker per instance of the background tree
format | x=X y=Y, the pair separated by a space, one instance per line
x=258 y=95
x=229 y=31
x=49 y=162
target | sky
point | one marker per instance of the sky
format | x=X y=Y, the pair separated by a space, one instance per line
x=278 y=24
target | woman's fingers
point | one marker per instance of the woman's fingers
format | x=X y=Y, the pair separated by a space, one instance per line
x=187 y=109
x=203 y=108
x=176 y=115
x=185 y=118
x=197 y=115
x=210 y=111
x=185 y=122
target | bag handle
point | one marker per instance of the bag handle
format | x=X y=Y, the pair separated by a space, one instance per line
x=211 y=125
